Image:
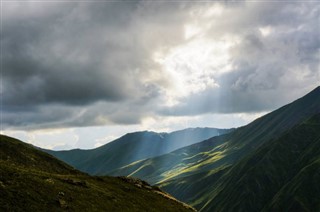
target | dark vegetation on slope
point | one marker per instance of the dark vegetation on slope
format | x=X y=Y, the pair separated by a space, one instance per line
x=301 y=194
x=132 y=147
x=279 y=176
x=31 y=180
x=209 y=160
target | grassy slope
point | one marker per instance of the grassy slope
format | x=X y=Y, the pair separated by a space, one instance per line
x=31 y=180
x=180 y=163
x=184 y=189
x=279 y=176
x=301 y=193
x=132 y=147
x=224 y=150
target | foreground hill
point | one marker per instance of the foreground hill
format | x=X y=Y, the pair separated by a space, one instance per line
x=132 y=147
x=195 y=173
x=31 y=180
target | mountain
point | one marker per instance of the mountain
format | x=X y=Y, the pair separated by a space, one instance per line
x=132 y=147
x=31 y=180
x=198 y=174
x=281 y=175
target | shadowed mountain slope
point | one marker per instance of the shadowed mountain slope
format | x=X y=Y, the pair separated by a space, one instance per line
x=282 y=175
x=31 y=180
x=132 y=147
x=184 y=171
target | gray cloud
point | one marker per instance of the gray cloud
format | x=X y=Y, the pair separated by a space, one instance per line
x=66 y=59
x=82 y=64
x=268 y=72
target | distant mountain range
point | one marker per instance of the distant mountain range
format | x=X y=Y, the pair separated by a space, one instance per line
x=253 y=168
x=132 y=147
x=31 y=180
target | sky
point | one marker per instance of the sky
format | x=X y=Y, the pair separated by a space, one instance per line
x=78 y=74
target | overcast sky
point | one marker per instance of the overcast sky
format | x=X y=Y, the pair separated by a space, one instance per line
x=79 y=74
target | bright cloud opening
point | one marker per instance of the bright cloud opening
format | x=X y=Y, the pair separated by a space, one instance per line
x=265 y=31
x=195 y=65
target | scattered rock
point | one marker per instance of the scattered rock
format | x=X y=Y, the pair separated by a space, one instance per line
x=168 y=196
x=148 y=187
x=63 y=203
x=50 y=181
x=135 y=181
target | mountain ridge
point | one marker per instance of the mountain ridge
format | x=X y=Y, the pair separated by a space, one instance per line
x=257 y=179
x=132 y=147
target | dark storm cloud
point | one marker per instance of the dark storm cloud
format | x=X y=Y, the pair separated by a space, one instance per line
x=61 y=60
x=81 y=64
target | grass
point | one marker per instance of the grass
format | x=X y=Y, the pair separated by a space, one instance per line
x=31 y=180
x=281 y=175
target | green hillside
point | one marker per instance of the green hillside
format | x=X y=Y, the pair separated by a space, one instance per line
x=31 y=180
x=281 y=175
x=192 y=173
x=132 y=147
x=302 y=193
x=223 y=151
x=180 y=163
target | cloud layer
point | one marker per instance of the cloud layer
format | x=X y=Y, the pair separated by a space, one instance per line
x=73 y=64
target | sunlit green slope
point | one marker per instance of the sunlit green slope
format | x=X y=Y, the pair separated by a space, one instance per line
x=31 y=180
x=180 y=163
x=132 y=147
